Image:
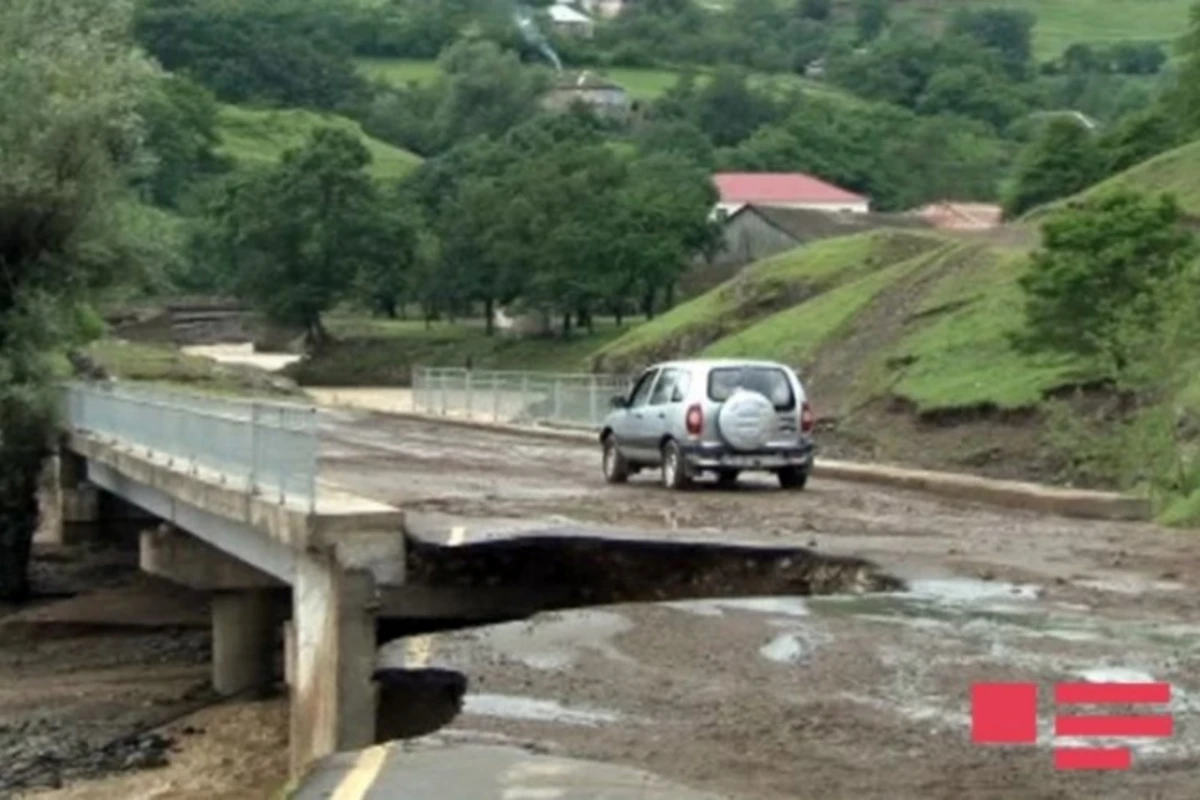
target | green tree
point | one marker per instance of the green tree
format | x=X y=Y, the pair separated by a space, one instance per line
x=1009 y=32
x=1099 y=272
x=1062 y=160
x=302 y=232
x=290 y=52
x=870 y=18
x=181 y=132
x=973 y=92
x=391 y=249
x=486 y=92
x=1187 y=92
x=70 y=84
x=660 y=221
x=678 y=137
x=728 y=109
x=815 y=9
x=1138 y=136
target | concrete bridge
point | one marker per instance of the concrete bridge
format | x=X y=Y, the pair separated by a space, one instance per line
x=227 y=496
x=309 y=580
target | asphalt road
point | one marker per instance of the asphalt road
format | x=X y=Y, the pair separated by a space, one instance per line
x=789 y=697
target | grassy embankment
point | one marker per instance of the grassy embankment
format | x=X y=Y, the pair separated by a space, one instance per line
x=254 y=137
x=378 y=352
x=1176 y=172
x=165 y=365
x=642 y=84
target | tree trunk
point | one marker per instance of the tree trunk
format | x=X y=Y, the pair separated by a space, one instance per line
x=316 y=336
x=18 y=523
x=670 y=298
x=648 y=303
x=389 y=307
x=566 y=324
x=21 y=463
x=489 y=313
x=618 y=316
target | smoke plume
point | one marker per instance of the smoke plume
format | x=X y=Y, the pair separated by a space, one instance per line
x=533 y=35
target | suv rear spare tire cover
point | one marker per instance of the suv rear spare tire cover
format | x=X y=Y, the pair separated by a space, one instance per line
x=746 y=420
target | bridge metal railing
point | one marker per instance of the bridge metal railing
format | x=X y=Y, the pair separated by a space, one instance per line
x=268 y=448
x=563 y=399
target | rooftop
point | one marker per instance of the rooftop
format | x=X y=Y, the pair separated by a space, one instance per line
x=780 y=187
x=583 y=81
x=962 y=216
x=563 y=13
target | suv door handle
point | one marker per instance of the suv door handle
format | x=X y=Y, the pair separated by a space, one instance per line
x=662 y=415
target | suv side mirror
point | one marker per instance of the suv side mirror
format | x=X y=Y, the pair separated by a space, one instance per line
x=619 y=401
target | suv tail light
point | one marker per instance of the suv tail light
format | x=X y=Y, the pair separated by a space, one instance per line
x=807 y=419
x=694 y=420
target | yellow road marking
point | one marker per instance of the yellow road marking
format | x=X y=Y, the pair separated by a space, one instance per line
x=418 y=651
x=362 y=776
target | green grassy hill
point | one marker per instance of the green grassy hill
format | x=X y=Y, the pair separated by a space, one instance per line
x=887 y=315
x=642 y=84
x=1064 y=22
x=259 y=137
x=758 y=292
x=1175 y=171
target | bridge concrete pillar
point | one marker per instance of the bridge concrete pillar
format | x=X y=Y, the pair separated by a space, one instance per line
x=243 y=641
x=69 y=506
x=332 y=655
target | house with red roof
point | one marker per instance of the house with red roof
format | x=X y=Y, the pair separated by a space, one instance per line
x=784 y=190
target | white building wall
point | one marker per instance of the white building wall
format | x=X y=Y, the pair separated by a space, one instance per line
x=861 y=207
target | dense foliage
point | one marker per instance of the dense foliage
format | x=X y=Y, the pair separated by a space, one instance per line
x=70 y=87
x=1099 y=271
x=290 y=53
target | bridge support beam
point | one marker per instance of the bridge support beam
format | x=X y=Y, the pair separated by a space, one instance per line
x=243 y=641
x=189 y=561
x=69 y=505
x=333 y=653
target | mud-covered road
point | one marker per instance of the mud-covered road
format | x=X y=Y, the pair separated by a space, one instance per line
x=819 y=697
x=787 y=698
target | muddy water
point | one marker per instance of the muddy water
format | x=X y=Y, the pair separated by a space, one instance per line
x=872 y=671
x=242 y=354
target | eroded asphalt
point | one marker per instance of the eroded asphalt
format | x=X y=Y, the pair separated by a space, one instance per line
x=797 y=697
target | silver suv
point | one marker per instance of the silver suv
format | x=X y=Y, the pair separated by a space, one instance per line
x=712 y=416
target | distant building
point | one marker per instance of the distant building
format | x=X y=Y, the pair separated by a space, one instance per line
x=784 y=190
x=605 y=98
x=570 y=21
x=755 y=232
x=962 y=216
x=605 y=9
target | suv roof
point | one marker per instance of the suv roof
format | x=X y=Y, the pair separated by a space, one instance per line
x=711 y=363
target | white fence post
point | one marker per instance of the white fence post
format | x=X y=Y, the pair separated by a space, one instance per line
x=495 y=397
x=467 y=394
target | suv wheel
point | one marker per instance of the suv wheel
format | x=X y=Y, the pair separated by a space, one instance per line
x=675 y=473
x=793 y=478
x=616 y=468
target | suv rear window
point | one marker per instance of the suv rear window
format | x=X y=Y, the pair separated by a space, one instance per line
x=772 y=382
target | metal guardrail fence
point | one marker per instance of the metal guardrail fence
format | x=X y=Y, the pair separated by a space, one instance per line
x=570 y=400
x=270 y=449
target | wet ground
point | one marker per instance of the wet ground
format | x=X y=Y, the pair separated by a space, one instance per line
x=767 y=697
x=798 y=697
